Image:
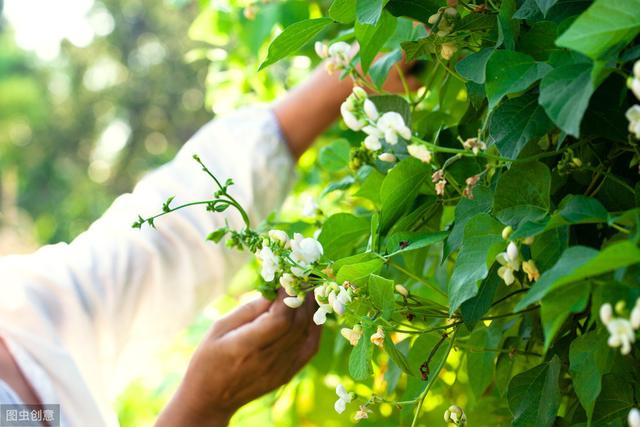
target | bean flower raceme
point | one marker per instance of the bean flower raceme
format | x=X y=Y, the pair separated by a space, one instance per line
x=622 y=332
x=304 y=252
x=338 y=55
x=270 y=263
x=331 y=298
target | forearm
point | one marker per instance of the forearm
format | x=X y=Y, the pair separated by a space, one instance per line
x=310 y=108
x=184 y=411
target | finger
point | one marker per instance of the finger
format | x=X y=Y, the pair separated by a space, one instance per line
x=267 y=328
x=240 y=316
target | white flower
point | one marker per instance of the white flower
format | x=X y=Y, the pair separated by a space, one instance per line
x=349 y=118
x=340 y=50
x=633 y=419
x=320 y=316
x=387 y=157
x=633 y=115
x=287 y=281
x=606 y=313
x=305 y=250
x=378 y=337
x=447 y=50
x=621 y=334
x=391 y=124
x=475 y=145
x=440 y=186
x=635 y=315
x=372 y=143
x=310 y=207
x=301 y=272
x=370 y=110
x=352 y=335
x=279 y=236
x=456 y=415
x=270 y=263
x=322 y=50
x=420 y=152
x=530 y=268
x=363 y=413
x=635 y=87
x=636 y=69
x=338 y=55
x=293 y=302
x=340 y=300
x=510 y=262
x=343 y=399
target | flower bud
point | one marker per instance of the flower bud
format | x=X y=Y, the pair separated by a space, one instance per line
x=512 y=251
x=420 y=152
x=530 y=268
x=636 y=69
x=359 y=93
x=293 y=302
x=635 y=317
x=634 y=414
x=606 y=313
x=447 y=50
x=279 y=236
x=620 y=306
x=506 y=232
x=352 y=335
x=371 y=142
x=387 y=157
x=378 y=337
x=402 y=290
x=370 y=109
x=322 y=50
x=528 y=240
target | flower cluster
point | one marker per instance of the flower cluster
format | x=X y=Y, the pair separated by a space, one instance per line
x=289 y=260
x=446 y=18
x=475 y=145
x=331 y=298
x=633 y=113
x=622 y=332
x=338 y=55
x=361 y=114
x=454 y=414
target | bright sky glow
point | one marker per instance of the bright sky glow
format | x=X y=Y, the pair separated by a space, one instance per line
x=40 y=25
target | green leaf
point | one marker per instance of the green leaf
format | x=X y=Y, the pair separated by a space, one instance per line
x=549 y=246
x=381 y=293
x=217 y=235
x=615 y=400
x=293 y=38
x=400 y=188
x=420 y=10
x=580 y=262
x=545 y=5
x=514 y=202
x=511 y=72
x=474 y=66
x=380 y=69
x=343 y=11
x=559 y=304
x=360 y=360
x=465 y=209
x=565 y=94
x=507 y=27
x=368 y=11
x=373 y=37
x=407 y=241
x=473 y=309
x=539 y=41
x=398 y=357
x=481 y=243
x=606 y=24
x=589 y=359
x=534 y=395
x=358 y=273
x=370 y=187
x=480 y=361
x=335 y=156
x=342 y=233
x=516 y=122
x=529 y=9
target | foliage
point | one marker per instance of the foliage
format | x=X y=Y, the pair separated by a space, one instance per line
x=467 y=259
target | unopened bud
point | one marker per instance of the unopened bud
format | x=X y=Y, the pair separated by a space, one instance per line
x=402 y=290
x=506 y=232
x=620 y=306
x=359 y=92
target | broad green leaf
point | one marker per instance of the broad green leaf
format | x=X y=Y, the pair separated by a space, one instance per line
x=559 y=304
x=400 y=188
x=514 y=202
x=370 y=187
x=589 y=359
x=373 y=37
x=511 y=72
x=606 y=24
x=516 y=122
x=353 y=259
x=477 y=22
x=342 y=233
x=397 y=356
x=473 y=309
x=343 y=184
x=481 y=243
x=534 y=395
x=545 y=5
x=465 y=210
x=369 y=11
x=360 y=360
x=335 y=156
x=565 y=94
x=539 y=41
x=529 y=9
x=358 y=273
x=343 y=11
x=380 y=69
x=580 y=262
x=549 y=246
x=616 y=398
x=481 y=362
x=293 y=38
x=407 y=241
x=474 y=66
x=381 y=293
x=507 y=27
x=420 y=10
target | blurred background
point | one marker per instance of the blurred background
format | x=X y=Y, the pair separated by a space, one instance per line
x=94 y=93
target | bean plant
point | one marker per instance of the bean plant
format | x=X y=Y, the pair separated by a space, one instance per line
x=483 y=236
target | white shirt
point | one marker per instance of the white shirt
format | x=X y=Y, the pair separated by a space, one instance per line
x=87 y=313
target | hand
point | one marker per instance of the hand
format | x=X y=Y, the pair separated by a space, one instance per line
x=253 y=350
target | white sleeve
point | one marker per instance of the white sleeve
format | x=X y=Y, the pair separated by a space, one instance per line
x=115 y=288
